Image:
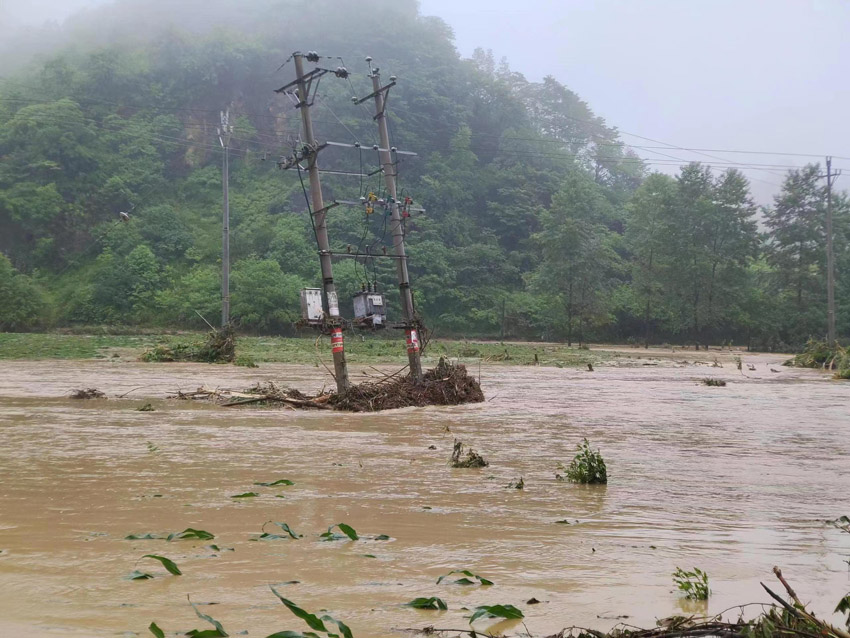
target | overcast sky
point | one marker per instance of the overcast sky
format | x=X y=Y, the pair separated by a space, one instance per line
x=762 y=75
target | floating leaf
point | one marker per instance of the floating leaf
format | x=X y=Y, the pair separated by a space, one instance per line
x=207 y=633
x=427 y=603
x=169 y=564
x=368 y=556
x=245 y=495
x=277 y=482
x=563 y=522
x=293 y=634
x=143 y=537
x=348 y=531
x=496 y=611
x=345 y=529
x=286 y=528
x=312 y=620
x=137 y=575
x=382 y=537
x=191 y=533
x=156 y=631
x=465 y=581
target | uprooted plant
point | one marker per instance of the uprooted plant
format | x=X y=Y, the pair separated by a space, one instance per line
x=693 y=584
x=472 y=458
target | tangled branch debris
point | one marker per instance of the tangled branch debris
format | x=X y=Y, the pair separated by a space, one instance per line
x=219 y=347
x=446 y=384
x=472 y=458
x=780 y=619
x=88 y=393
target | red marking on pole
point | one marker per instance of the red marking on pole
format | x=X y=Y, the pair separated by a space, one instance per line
x=412 y=341
x=337 y=341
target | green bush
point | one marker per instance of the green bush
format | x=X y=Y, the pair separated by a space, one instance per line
x=587 y=466
x=694 y=584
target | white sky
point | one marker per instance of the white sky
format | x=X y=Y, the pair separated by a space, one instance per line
x=764 y=75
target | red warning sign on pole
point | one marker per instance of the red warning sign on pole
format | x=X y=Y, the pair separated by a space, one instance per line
x=412 y=341
x=336 y=340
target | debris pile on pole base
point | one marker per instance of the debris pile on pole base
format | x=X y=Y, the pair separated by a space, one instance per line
x=446 y=384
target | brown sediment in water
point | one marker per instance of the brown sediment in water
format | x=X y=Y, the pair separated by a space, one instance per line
x=733 y=482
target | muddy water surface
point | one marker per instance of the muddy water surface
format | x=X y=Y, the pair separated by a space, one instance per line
x=733 y=480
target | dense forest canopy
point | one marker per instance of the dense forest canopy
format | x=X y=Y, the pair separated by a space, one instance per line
x=540 y=222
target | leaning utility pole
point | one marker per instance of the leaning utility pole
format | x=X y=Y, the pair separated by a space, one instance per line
x=830 y=256
x=388 y=166
x=310 y=153
x=224 y=133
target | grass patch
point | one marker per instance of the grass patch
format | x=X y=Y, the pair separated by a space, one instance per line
x=296 y=350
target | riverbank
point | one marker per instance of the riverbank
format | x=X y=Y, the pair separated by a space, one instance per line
x=363 y=350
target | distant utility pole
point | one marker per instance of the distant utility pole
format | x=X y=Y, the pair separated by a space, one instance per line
x=830 y=256
x=310 y=153
x=388 y=164
x=224 y=133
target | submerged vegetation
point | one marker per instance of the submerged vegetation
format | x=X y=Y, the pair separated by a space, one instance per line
x=587 y=466
x=819 y=354
x=693 y=584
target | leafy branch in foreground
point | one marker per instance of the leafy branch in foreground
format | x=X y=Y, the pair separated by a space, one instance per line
x=314 y=622
x=694 y=584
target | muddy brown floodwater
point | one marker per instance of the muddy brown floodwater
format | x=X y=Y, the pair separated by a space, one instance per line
x=732 y=480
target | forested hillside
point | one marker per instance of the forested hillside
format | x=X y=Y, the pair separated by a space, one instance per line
x=540 y=222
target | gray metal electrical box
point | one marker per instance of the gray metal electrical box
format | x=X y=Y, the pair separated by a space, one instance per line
x=311 y=306
x=370 y=311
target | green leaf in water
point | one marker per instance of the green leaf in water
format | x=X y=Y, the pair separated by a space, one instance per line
x=286 y=528
x=465 y=581
x=496 y=611
x=169 y=564
x=207 y=633
x=191 y=533
x=143 y=537
x=277 y=482
x=368 y=556
x=345 y=529
x=427 y=603
x=137 y=575
x=382 y=537
x=312 y=620
x=348 y=531
x=245 y=495
x=346 y=632
x=156 y=631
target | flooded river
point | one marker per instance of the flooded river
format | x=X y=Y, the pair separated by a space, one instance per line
x=733 y=480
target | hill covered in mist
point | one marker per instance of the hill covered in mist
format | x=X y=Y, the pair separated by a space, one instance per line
x=540 y=222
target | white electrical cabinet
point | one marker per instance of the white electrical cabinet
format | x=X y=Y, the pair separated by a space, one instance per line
x=312 y=311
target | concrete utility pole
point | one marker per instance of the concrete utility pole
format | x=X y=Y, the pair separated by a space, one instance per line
x=224 y=133
x=830 y=256
x=331 y=301
x=411 y=325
